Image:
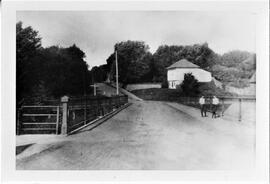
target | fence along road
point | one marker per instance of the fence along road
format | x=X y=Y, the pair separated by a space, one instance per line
x=66 y=117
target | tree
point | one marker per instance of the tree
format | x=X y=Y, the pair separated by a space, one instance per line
x=132 y=56
x=234 y=58
x=48 y=72
x=64 y=70
x=190 y=85
x=28 y=42
x=234 y=67
x=99 y=73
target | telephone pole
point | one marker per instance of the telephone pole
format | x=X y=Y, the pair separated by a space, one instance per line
x=116 y=75
x=94 y=84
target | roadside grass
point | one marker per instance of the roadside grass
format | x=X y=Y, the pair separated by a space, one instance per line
x=165 y=94
x=176 y=95
x=157 y=94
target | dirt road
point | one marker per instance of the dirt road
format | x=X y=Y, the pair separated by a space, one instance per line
x=149 y=135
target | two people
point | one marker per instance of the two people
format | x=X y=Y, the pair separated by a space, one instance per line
x=215 y=102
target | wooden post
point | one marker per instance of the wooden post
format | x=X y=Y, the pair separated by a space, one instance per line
x=64 y=101
x=240 y=110
x=57 y=120
x=95 y=90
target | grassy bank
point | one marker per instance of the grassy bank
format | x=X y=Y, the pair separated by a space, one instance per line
x=164 y=94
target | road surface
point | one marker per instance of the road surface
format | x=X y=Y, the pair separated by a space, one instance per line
x=148 y=135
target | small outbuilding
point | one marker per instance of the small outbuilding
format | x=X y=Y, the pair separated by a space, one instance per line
x=176 y=72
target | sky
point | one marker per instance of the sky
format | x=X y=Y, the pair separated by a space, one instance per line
x=96 y=32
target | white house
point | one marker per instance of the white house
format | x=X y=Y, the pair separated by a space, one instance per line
x=176 y=72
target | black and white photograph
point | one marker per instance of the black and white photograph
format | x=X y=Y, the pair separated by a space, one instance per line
x=137 y=90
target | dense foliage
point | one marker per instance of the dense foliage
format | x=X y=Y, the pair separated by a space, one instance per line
x=190 y=85
x=99 y=73
x=48 y=72
x=235 y=68
x=133 y=59
x=28 y=42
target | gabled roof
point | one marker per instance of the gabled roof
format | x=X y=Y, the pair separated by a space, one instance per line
x=183 y=63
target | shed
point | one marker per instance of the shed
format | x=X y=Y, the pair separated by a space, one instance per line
x=176 y=72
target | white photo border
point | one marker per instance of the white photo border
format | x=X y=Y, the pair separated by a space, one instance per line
x=8 y=164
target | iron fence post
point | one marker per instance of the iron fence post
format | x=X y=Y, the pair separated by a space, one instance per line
x=99 y=107
x=110 y=105
x=57 y=120
x=240 y=110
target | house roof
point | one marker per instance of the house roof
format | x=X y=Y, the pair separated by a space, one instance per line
x=183 y=63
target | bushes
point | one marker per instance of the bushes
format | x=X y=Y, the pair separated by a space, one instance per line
x=164 y=84
x=190 y=85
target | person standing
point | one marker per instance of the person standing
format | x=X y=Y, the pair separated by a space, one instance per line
x=202 y=105
x=215 y=103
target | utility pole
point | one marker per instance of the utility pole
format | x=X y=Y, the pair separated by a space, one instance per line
x=94 y=84
x=116 y=75
x=85 y=98
x=95 y=91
